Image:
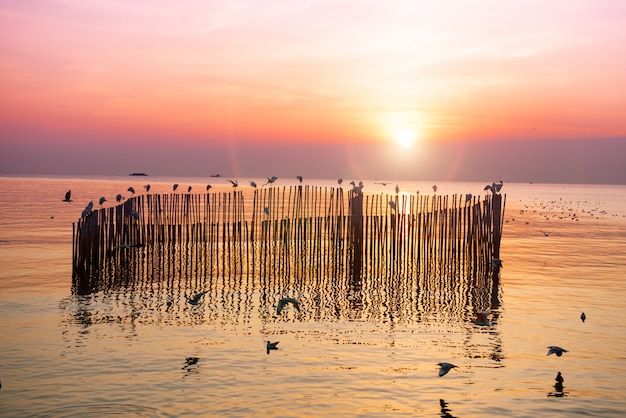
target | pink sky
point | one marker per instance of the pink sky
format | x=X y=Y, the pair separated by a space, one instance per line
x=149 y=82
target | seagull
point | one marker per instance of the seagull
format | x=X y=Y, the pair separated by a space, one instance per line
x=284 y=301
x=68 y=196
x=445 y=368
x=189 y=189
x=266 y=210
x=435 y=188
x=147 y=187
x=132 y=190
x=545 y=233
x=482 y=319
x=119 y=197
x=175 y=186
x=468 y=197
x=299 y=178
x=87 y=209
x=208 y=186
x=583 y=317
x=196 y=299
x=102 y=200
x=253 y=184
x=392 y=204
x=234 y=183
x=339 y=181
x=553 y=349
x=272 y=346
x=494 y=187
x=271 y=180
x=397 y=189
x=134 y=214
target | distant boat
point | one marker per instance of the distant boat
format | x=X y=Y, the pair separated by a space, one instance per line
x=216 y=175
x=137 y=174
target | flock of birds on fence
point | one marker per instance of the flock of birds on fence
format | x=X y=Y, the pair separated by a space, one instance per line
x=494 y=188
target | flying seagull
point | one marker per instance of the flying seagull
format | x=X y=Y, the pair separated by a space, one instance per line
x=553 y=349
x=299 y=178
x=174 y=187
x=132 y=190
x=494 y=187
x=272 y=346
x=147 y=187
x=545 y=233
x=284 y=301
x=445 y=368
x=234 y=183
x=68 y=196
x=271 y=180
x=208 y=186
x=196 y=299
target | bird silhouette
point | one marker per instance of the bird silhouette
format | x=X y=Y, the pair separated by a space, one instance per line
x=270 y=180
x=435 y=188
x=208 y=186
x=174 y=187
x=132 y=190
x=554 y=349
x=545 y=233
x=299 y=178
x=392 y=204
x=266 y=210
x=87 y=209
x=468 y=197
x=285 y=301
x=444 y=368
x=189 y=189
x=119 y=197
x=583 y=317
x=102 y=200
x=234 y=183
x=147 y=187
x=496 y=263
x=253 y=184
x=397 y=189
x=196 y=299
x=68 y=196
x=271 y=346
x=339 y=181
x=494 y=187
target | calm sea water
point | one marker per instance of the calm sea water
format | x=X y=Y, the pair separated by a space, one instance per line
x=143 y=351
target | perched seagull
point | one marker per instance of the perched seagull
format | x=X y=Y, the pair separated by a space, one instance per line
x=339 y=181
x=583 y=317
x=174 y=187
x=299 y=178
x=496 y=263
x=284 y=301
x=435 y=188
x=87 y=209
x=102 y=200
x=234 y=183
x=132 y=190
x=208 y=186
x=482 y=319
x=147 y=187
x=272 y=346
x=392 y=204
x=196 y=299
x=266 y=210
x=494 y=187
x=271 y=180
x=468 y=197
x=445 y=368
x=119 y=197
x=68 y=196
x=553 y=349
x=253 y=184
x=397 y=189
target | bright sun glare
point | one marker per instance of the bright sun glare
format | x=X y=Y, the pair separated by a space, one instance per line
x=405 y=138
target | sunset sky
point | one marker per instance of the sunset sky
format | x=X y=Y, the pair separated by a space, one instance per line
x=445 y=90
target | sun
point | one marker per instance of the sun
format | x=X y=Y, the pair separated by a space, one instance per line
x=405 y=138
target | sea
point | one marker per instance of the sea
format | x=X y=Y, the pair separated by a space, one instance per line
x=139 y=352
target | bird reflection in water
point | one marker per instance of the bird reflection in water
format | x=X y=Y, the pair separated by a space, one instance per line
x=558 y=387
x=445 y=412
x=191 y=365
